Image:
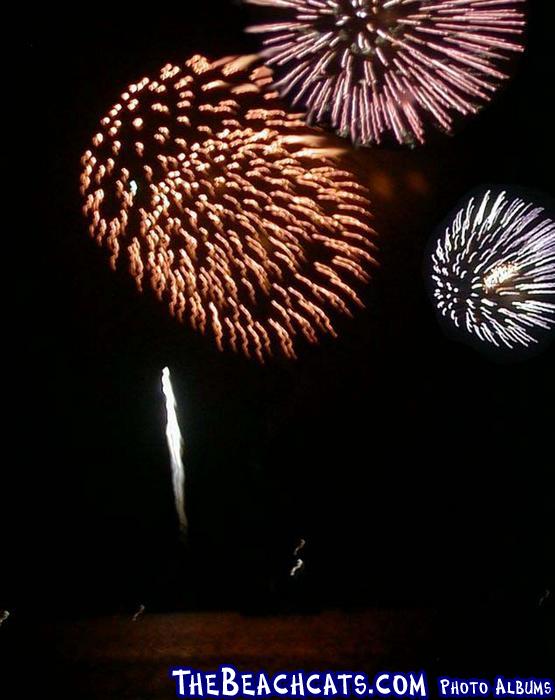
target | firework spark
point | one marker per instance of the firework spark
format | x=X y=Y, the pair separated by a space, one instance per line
x=175 y=447
x=298 y=567
x=493 y=271
x=369 y=67
x=233 y=210
x=139 y=614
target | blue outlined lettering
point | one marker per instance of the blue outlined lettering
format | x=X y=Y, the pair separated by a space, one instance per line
x=522 y=687
x=402 y=684
x=228 y=682
x=463 y=687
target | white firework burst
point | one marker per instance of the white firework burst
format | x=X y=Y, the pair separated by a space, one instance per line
x=493 y=271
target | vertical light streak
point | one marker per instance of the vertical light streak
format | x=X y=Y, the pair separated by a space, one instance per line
x=175 y=448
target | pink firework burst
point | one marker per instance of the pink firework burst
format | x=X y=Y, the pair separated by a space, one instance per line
x=372 y=67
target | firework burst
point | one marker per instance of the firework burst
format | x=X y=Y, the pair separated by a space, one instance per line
x=493 y=271
x=370 y=67
x=232 y=210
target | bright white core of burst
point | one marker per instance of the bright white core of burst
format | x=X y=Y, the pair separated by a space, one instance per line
x=499 y=274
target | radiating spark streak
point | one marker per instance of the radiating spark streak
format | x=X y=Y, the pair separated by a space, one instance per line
x=216 y=198
x=4 y=614
x=493 y=271
x=175 y=447
x=369 y=67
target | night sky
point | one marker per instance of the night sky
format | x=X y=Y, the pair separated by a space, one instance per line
x=416 y=468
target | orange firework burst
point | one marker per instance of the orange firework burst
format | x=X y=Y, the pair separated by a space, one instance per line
x=232 y=210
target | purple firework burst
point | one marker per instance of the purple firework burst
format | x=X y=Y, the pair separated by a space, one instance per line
x=372 y=67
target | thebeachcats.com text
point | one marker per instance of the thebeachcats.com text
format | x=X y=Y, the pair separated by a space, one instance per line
x=228 y=682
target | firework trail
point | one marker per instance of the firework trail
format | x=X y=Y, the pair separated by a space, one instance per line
x=493 y=271
x=140 y=612
x=299 y=564
x=175 y=447
x=370 y=67
x=232 y=210
x=4 y=614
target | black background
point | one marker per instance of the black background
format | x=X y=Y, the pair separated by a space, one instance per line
x=417 y=469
